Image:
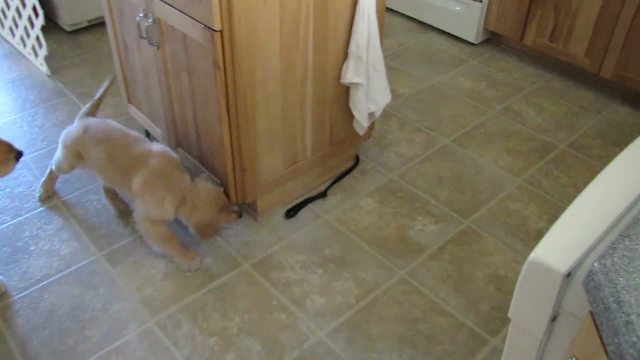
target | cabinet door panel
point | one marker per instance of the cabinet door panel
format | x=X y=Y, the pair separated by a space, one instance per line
x=205 y=11
x=508 y=17
x=288 y=105
x=577 y=31
x=138 y=66
x=192 y=57
x=623 y=59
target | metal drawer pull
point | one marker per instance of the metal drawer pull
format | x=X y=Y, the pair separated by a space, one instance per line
x=140 y=25
x=151 y=20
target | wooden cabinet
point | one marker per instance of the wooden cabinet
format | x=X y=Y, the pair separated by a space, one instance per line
x=138 y=65
x=508 y=17
x=251 y=90
x=195 y=81
x=622 y=63
x=601 y=36
x=577 y=31
x=587 y=344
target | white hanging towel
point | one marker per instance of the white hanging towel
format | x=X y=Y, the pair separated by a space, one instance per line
x=364 y=71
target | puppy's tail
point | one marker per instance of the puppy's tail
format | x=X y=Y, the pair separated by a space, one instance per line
x=91 y=109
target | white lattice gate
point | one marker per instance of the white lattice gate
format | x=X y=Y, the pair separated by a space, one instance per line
x=21 y=24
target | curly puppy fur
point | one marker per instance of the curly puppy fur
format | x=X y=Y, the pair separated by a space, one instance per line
x=9 y=157
x=148 y=173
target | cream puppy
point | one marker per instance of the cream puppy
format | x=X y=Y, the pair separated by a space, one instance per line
x=148 y=173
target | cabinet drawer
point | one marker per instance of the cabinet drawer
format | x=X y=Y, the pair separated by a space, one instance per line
x=206 y=12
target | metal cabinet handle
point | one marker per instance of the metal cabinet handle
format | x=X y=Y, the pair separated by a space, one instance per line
x=150 y=22
x=140 y=21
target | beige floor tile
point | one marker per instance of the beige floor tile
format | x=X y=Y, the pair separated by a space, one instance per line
x=475 y=275
x=495 y=353
x=146 y=345
x=158 y=281
x=18 y=193
x=404 y=323
x=506 y=145
x=518 y=67
x=484 y=86
x=366 y=177
x=323 y=273
x=439 y=110
x=250 y=238
x=91 y=211
x=39 y=247
x=564 y=176
x=554 y=119
x=113 y=107
x=84 y=72
x=283 y=227
x=626 y=117
x=573 y=92
x=458 y=46
x=403 y=82
x=6 y=353
x=49 y=120
x=461 y=182
x=397 y=223
x=406 y=23
x=13 y=66
x=63 y=45
x=396 y=142
x=72 y=317
x=239 y=319
x=603 y=141
x=425 y=60
x=319 y=351
x=394 y=38
x=67 y=184
x=26 y=93
x=520 y=218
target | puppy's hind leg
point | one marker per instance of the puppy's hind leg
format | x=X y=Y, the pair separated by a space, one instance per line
x=62 y=164
x=120 y=206
x=160 y=237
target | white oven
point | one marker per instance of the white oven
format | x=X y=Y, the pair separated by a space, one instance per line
x=462 y=18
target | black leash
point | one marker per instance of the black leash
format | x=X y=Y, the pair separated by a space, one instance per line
x=295 y=209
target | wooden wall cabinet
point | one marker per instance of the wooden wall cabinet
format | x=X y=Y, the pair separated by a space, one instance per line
x=601 y=36
x=251 y=90
x=622 y=63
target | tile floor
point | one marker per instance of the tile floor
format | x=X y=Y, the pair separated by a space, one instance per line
x=413 y=257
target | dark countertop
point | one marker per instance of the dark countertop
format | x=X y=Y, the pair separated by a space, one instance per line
x=613 y=290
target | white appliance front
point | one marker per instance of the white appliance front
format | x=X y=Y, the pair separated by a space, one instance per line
x=462 y=18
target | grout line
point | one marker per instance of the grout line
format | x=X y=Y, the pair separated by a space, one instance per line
x=41 y=207
x=434 y=80
x=313 y=332
x=118 y=342
x=404 y=272
x=71 y=95
x=162 y=337
x=28 y=157
x=45 y=282
x=34 y=109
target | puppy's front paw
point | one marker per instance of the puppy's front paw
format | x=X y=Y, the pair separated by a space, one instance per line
x=189 y=262
x=3 y=287
x=45 y=194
